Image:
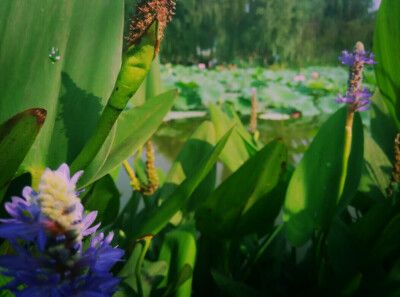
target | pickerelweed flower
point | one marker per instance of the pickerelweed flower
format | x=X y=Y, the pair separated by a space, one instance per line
x=356 y=97
x=46 y=231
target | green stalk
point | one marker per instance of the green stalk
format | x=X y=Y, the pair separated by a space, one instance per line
x=136 y=64
x=346 y=153
x=99 y=135
x=138 y=269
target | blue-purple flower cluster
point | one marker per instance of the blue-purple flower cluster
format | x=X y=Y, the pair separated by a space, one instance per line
x=356 y=97
x=359 y=56
x=46 y=231
x=360 y=97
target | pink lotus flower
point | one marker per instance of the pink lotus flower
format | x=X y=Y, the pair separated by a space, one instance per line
x=315 y=75
x=299 y=78
x=201 y=66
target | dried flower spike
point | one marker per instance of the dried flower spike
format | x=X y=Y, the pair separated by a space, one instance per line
x=146 y=12
x=396 y=170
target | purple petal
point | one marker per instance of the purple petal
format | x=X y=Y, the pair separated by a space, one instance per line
x=64 y=169
x=41 y=240
x=28 y=193
x=76 y=176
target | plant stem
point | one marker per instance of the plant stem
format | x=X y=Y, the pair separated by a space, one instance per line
x=138 y=270
x=346 y=152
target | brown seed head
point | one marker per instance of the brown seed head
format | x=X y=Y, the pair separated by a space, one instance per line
x=146 y=12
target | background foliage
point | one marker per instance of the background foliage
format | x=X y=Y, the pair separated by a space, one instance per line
x=266 y=32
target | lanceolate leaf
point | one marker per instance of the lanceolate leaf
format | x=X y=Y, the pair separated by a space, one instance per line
x=157 y=219
x=199 y=144
x=387 y=42
x=16 y=138
x=226 y=211
x=312 y=195
x=134 y=128
x=235 y=153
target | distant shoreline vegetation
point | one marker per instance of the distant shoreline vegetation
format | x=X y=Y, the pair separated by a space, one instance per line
x=263 y=32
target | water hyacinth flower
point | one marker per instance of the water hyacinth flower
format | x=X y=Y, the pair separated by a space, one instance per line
x=46 y=231
x=356 y=97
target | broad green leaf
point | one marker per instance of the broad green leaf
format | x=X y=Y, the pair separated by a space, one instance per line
x=159 y=217
x=104 y=198
x=16 y=138
x=386 y=43
x=312 y=195
x=73 y=90
x=179 y=250
x=235 y=153
x=134 y=128
x=242 y=199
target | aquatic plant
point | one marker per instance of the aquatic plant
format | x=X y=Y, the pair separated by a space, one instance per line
x=327 y=226
x=46 y=231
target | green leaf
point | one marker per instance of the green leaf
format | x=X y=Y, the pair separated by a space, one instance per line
x=312 y=195
x=127 y=273
x=377 y=164
x=73 y=90
x=159 y=217
x=345 y=250
x=370 y=226
x=16 y=138
x=241 y=204
x=383 y=128
x=387 y=42
x=235 y=153
x=200 y=143
x=104 y=198
x=179 y=250
x=234 y=288
x=134 y=128
x=388 y=243
x=152 y=274
x=251 y=145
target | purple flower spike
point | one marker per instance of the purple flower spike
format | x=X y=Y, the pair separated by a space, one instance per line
x=360 y=56
x=54 y=221
x=359 y=97
x=356 y=97
x=347 y=58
